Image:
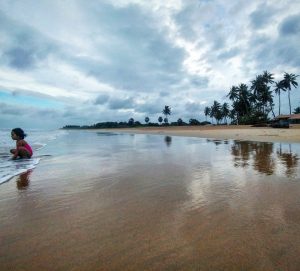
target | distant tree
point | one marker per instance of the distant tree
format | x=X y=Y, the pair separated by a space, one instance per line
x=297 y=110
x=225 y=111
x=166 y=120
x=194 y=122
x=147 y=120
x=216 y=111
x=206 y=112
x=131 y=122
x=278 y=88
x=160 y=119
x=166 y=111
x=233 y=93
x=179 y=122
x=289 y=80
x=261 y=93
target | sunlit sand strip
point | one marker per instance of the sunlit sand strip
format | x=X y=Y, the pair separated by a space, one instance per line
x=242 y=132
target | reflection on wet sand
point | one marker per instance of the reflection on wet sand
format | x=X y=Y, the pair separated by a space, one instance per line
x=262 y=157
x=23 y=180
x=168 y=140
x=289 y=159
x=197 y=206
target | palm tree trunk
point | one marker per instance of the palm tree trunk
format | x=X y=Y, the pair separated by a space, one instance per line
x=290 y=102
x=272 y=112
x=279 y=101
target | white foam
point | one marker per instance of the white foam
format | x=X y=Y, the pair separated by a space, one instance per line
x=12 y=168
x=37 y=139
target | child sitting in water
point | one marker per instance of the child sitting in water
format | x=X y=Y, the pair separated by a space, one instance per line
x=23 y=149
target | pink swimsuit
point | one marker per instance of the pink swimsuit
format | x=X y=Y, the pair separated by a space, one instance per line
x=27 y=147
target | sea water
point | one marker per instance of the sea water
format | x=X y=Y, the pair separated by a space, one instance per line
x=36 y=138
x=115 y=201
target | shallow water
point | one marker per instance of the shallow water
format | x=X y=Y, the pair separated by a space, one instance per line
x=105 y=201
x=36 y=138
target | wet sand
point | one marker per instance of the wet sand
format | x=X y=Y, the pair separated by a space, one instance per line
x=145 y=216
x=240 y=132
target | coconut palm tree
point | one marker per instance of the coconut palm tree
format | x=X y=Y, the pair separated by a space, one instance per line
x=268 y=77
x=297 y=110
x=261 y=91
x=225 y=111
x=166 y=111
x=206 y=112
x=244 y=97
x=278 y=88
x=216 y=111
x=289 y=80
x=233 y=93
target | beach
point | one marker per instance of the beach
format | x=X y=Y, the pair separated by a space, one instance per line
x=157 y=199
x=240 y=132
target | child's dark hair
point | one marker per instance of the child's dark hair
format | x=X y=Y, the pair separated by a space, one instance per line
x=19 y=132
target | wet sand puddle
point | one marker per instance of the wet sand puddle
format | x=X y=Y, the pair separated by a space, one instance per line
x=155 y=203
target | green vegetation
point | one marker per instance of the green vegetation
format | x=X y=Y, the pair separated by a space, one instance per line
x=250 y=105
x=297 y=110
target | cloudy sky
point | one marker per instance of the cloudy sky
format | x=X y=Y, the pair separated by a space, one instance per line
x=83 y=62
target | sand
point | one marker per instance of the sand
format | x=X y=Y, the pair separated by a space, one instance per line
x=241 y=132
x=148 y=206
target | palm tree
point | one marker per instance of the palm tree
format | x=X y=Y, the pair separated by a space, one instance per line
x=268 y=77
x=160 y=119
x=233 y=93
x=289 y=80
x=166 y=111
x=147 y=120
x=216 y=111
x=297 y=110
x=244 y=96
x=261 y=91
x=131 y=121
x=225 y=111
x=277 y=89
x=206 y=112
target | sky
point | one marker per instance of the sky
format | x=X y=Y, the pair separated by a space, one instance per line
x=83 y=62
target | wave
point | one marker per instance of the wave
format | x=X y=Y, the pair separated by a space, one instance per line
x=38 y=139
x=11 y=168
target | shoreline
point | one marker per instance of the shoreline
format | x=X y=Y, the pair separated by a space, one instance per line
x=132 y=202
x=241 y=132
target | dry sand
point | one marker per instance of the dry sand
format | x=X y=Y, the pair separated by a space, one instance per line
x=240 y=132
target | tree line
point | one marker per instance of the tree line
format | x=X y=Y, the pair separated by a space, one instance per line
x=253 y=104
x=250 y=105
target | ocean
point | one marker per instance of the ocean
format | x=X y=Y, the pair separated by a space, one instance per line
x=275 y=159
x=38 y=139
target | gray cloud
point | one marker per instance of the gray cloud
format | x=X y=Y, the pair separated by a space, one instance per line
x=20 y=58
x=22 y=46
x=142 y=58
x=290 y=26
x=101 y=99
x=262 y=16
x=104 y=56
x=192 y=107
x=119 y=103
x=149 y=108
